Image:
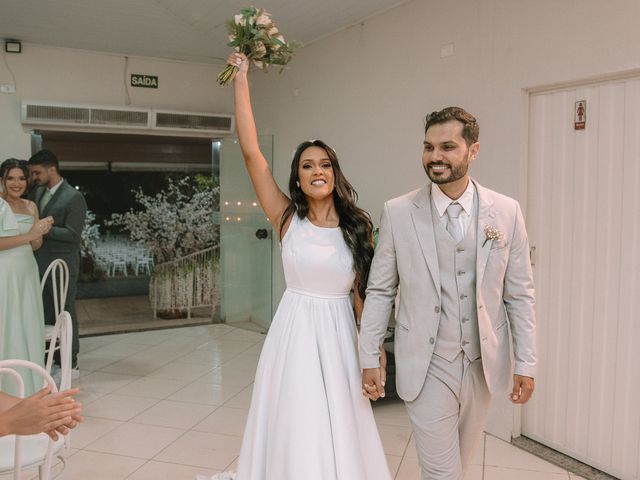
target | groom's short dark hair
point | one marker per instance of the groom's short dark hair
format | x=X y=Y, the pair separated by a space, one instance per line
x=45 y=158
x=470 y=127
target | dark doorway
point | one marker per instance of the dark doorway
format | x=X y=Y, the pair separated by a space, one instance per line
x=113 y=171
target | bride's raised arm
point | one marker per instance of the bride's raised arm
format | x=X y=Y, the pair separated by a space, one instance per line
x=272 y=199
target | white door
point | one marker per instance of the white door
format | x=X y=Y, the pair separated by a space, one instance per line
x=583 y=219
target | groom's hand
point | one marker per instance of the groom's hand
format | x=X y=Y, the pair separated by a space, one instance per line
x=372 y=386
x=522 y=389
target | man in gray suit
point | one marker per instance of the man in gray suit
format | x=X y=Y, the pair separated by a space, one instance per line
x=458 y=256
x=67 y=206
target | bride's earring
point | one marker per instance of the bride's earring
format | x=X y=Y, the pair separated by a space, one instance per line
x=297 y=184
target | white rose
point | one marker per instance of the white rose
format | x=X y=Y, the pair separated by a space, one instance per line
x=272 y=31
x=240 y=20
x=260 y=50
x=281 y=38
x=263 y=20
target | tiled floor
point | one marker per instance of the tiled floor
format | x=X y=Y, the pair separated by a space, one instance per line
x=171 y=404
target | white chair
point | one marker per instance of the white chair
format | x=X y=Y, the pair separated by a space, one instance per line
x=61 y=332
x=18 y=452
x=60 y=337
x=144 y=263
x=59 y=272
x=118 y=262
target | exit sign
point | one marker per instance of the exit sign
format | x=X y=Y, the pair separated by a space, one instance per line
x=144 y=81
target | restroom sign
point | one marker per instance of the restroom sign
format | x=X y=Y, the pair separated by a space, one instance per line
x=144 y=81
x=580 y=115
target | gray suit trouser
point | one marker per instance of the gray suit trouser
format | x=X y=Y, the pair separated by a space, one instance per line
x=448 y=416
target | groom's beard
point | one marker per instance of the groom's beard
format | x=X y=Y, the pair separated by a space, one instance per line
x=454 y=173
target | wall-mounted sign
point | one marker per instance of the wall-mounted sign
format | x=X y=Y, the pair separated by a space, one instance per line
x=144 y=81
x=580 y=115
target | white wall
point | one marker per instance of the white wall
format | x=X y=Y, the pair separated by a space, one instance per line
x=76 y=76
x=366 y=90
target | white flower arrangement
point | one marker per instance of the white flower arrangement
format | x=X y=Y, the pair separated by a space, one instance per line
x=90 y=235
x=492 y=233
x=253 y=33
x=174 y=222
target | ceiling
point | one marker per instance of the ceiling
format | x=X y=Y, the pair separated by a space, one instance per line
x=189 y=30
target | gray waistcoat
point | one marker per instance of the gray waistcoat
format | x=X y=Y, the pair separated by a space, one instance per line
x=458 y=328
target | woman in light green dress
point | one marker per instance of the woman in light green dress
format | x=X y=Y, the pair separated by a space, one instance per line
x=21 y=314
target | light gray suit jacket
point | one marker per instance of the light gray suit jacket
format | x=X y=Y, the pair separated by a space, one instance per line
x=406 y=260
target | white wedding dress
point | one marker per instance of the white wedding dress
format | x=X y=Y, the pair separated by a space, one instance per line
x=308 y=418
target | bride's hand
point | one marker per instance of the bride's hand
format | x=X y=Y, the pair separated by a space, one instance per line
x=241 y=61
x=41 y=227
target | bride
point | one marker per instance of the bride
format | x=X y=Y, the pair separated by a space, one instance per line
x=309 y=418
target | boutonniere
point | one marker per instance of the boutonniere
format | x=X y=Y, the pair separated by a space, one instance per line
x=492 y=233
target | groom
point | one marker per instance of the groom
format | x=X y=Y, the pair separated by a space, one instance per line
x=55 y=197
x=458 y=255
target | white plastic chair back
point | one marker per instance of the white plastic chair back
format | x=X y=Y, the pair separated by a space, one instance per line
x=59 y=272
x=29 y=450
x=60 y=337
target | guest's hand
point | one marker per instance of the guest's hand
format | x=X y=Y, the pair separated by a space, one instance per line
x=241 y=61
x=523 y=387
x=44 y=412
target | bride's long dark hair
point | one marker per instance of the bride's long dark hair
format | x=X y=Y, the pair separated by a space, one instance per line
x=355 y=223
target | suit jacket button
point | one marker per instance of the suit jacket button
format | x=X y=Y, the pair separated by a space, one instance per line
x=432 y=340
x=436 y=309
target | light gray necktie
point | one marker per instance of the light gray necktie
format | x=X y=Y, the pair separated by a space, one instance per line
x=45 y=199
x=453 y=224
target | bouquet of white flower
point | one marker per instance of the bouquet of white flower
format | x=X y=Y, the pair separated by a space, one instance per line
x=253 y=33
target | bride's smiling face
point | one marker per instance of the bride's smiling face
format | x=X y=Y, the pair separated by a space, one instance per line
x=15 y=183
x=315 y=173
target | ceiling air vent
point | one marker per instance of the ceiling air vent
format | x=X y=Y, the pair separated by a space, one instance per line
x=34 y=113
x=194 y=121
x=94 y=117
x=134 y=118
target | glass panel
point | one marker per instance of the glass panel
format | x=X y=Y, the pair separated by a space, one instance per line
x=245 y=241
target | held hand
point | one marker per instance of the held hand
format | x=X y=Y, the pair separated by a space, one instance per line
x=372 y=387
x=40 y=228
x=240 y=61
x=523 y=388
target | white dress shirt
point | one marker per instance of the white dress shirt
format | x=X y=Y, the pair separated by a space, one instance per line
x=441 y=202
x=55 y=188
